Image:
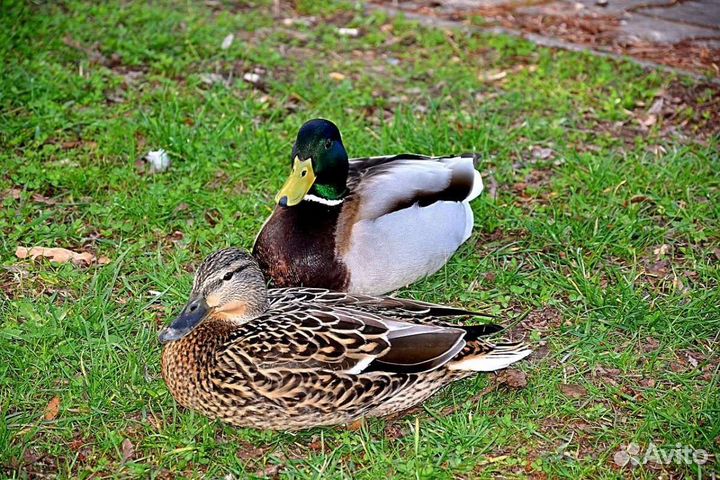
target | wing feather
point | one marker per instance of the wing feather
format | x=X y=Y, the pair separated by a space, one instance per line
x=399 y=308
x=297 y=336
x=397 y=182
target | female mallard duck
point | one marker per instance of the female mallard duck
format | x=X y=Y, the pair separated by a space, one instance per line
x=368 y=225
x=300 y=357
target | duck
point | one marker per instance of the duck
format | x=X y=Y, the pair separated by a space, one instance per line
x=301 y=357
x=366 y=225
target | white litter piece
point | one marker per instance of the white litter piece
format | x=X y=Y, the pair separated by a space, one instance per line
x=227 y=42
x=158 y=160
x=348 y=32
x=252 y=78
x=213 y=78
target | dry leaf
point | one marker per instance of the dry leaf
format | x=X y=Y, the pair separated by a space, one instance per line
x=573 y=391
x=542 y=153
x=57 y=255
x=14 y=193
x=39 y=198
x=662 y=250
x=657 y=150
x=52 y=409
x=393 y=432
x=306 y=21
x=512 y=378
x=337 y=76
x=128 y=450
x=493 y=76
x=271 y=471
x=356 y=425
x=657 y=107
x=248 y=451
x=649 y=121
x=212 y=79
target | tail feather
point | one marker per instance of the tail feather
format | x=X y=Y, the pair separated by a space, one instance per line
x=498 y=357
x=477 y=187
x=473 y=332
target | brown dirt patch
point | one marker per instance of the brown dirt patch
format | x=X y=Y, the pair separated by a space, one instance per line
x=591 y=29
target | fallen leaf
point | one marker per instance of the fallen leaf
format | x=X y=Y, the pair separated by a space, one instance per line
x=677 y=283
x=14 y=193
x=248 y=451
x=649 y=121
x=253 y=78
x=573 y=391
x=306 y=21
x=128 y=450
x=227 y=41
x=212 y=79
x=394 y=432
x=657 y=150
x=52 y=409
x=657 y=107
x=648 y=382
x=71 y=144
x=493 y=76
x=316 y=445
x=356 y=425
x=649 y=344
x=76 y=444
x=661 y=251
x=637 y=199
x=542 y=153
x=271 y=471
x=40 y=198
x=512 y=378
x=492 y=186
x=59 y=255
x=337 y=76
x=659 y=268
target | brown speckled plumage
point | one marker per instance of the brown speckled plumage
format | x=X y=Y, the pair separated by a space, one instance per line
x=316 y=357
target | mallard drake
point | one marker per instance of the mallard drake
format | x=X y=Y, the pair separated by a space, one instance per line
x=293 y=358
x=368 y=225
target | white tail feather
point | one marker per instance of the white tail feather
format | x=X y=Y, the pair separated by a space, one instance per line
x=501 y=357
x=477 y=187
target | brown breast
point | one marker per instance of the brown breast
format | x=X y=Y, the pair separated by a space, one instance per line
x=297 y=247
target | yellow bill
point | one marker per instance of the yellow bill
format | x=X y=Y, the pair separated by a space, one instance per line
x=298 y=183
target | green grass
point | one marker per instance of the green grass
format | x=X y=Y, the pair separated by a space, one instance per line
x=570 y=237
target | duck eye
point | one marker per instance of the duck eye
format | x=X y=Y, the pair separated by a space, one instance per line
x=328 y=144
x=228 y=276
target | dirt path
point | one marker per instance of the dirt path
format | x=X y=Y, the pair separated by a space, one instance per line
x=677 y=33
